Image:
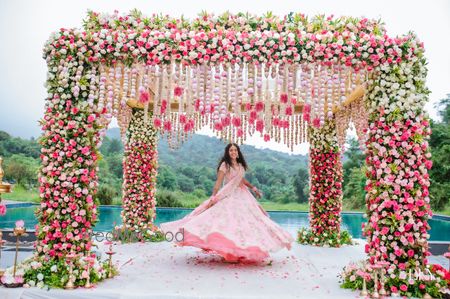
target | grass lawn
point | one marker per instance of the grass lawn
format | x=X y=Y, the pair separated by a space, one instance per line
x=292 y=206
x=20 y=193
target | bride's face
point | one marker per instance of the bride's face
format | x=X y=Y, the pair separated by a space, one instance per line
x=233 y=152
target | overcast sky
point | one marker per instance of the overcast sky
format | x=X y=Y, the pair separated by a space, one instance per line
x=26 y=25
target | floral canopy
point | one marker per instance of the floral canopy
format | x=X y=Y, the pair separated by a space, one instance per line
x=291 y=79
x=237 y=73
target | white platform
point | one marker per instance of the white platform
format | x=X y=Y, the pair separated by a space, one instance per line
x=160 y=270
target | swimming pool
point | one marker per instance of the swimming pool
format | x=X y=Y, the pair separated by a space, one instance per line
x=291 y=221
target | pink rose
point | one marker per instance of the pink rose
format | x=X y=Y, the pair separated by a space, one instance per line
x=157 y=122
x=91 y=118
x=144 y=96
x=316 y=122
x=259 y=106
x=2 y=210
x=259 y=125
x=288 y=110
x=236 y=121
x=384 y=230
x=167 y=125
x=404 y=287
x=178 y=91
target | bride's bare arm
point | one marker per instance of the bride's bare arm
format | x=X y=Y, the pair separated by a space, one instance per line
x=219 y=181
x=247 y=183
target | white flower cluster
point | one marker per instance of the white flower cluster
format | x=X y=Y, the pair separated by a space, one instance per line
x=325 y=137
x=399 y=88
x=140 y=131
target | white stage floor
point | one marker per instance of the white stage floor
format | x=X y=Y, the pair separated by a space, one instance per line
x=160 y=270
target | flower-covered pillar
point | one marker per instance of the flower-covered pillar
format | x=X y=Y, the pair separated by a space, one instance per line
x=68 y=175
x=325 y=200
x=398 y=160
x=139 y=185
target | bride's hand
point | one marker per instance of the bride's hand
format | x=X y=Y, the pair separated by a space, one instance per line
x=258 y=193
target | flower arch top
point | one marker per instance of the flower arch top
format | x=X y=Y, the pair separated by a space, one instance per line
x=238 y=73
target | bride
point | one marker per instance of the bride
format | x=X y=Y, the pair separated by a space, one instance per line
x=231 y=222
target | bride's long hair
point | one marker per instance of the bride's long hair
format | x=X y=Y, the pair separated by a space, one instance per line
x=227 y=159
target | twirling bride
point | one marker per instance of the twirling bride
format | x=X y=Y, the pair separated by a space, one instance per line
x=231 y=222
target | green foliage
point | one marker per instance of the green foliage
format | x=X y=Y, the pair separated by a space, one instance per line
x=106 y=194
x=444 y=109
x=354 y=177
x=55 y=273
x=354 y=193
x=12 y=146
x=166 y=198
x=21 y=169
x=115 y=164
x=167 y=178
x=440 y=155
x=301 y=181
x=351 y=278
x=307 y=236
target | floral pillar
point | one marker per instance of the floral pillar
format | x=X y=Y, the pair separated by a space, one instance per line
x=398 y=161
x=139 y=172
x=397 y=197
x=68 y=175
x=325 y=198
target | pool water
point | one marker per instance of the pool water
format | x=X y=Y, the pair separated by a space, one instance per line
x=291 y=221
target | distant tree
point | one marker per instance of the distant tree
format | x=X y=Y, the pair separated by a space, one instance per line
x=106 y=194
x=115 y=146
x=115 y=164
x=354 y=194
x=440 y=155
x=21 y=169
x=353 y=190
x=300 y=181
x=443 y=107
x=166 y=178
x=4 y=136
x=185 y=183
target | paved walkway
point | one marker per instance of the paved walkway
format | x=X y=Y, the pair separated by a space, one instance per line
x=160 y=270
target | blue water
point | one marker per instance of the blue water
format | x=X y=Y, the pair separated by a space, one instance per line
x=291 y=221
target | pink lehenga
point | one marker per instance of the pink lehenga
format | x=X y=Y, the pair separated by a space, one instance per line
x=235 y=227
